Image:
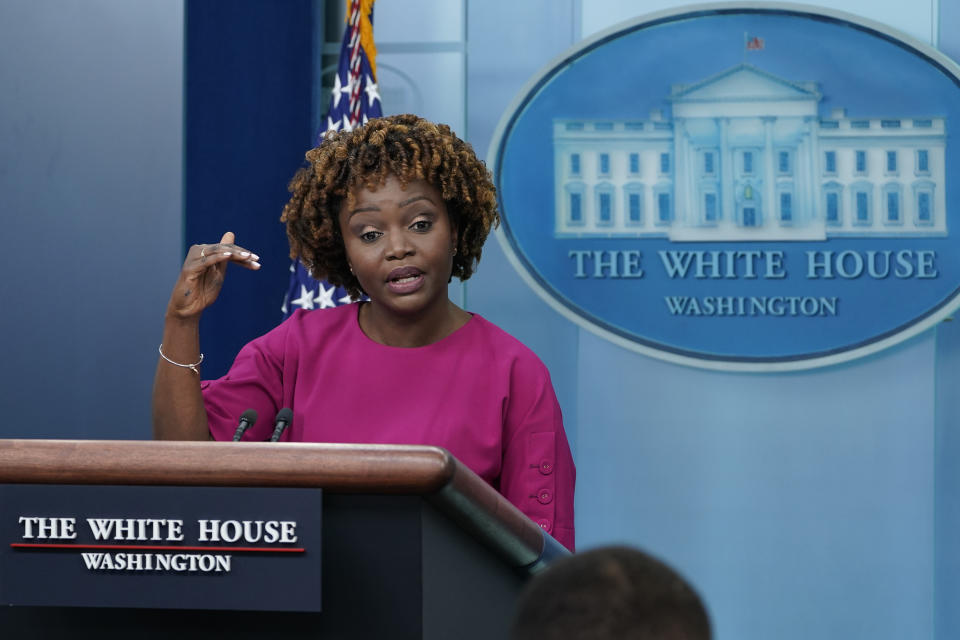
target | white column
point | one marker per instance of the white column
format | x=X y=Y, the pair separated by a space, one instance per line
x=691 y=171
x=769 y=193
x=801 y=181
x=813 y=166
x=680 y=170
x=726 y=168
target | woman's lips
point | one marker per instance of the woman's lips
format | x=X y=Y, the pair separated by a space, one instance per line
x=405 y=280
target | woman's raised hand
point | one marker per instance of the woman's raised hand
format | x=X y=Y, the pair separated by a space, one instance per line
x=202 y=275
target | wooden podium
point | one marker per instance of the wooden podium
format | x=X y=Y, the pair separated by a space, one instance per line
x=414 y=544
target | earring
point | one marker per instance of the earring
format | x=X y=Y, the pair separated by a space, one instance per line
x=454 y=251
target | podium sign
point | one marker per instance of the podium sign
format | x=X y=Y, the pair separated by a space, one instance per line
x=233 y=548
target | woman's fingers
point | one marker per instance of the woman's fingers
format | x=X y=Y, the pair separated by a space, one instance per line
x=205 y=255
x=203 y=272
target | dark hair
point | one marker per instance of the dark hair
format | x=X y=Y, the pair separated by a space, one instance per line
x=607 y=593
x=407 y=147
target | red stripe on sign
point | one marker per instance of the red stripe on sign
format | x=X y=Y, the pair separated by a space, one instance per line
x=146 y=547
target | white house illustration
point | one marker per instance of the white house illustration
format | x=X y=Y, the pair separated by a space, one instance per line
x=747 y=156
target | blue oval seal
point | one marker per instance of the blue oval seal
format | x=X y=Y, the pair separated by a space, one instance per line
x=738 y=186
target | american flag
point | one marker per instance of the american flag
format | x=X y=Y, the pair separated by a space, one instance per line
x=752 y=43
x=354 y=100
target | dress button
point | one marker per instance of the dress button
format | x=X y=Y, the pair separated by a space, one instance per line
x=544 y=497
x=545 y=525
x=546 y=467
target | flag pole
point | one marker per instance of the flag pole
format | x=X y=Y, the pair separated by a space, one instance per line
x=355 y=99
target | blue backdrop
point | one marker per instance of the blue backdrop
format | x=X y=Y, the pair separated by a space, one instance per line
x=819 y=504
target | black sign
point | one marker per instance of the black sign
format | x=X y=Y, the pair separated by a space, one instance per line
x=160 y=547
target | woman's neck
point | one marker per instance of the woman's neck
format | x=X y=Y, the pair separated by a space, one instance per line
x=420 y=330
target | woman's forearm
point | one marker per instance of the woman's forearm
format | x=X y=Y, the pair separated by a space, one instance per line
x=178 y=412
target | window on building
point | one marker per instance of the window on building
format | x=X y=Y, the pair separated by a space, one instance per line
x=604 y=164
x=710 y=207
x=829 y=124
x=783 y=162
x=634 y=163
x=749 y=216
x=634 y=214
x=863 y=207
x=576 y=208
x=664 y=214
x=575 y=164
x=833 y=207
x=923 y=206
x=923 y=161
x=603 y=126
x=889 y=124
x=893 y=206
x=708 y=162
x=748 y=161
x=922 y=124
x=786 y=207
x=830 y=162
x=633 y=200
x=892 y=203
x=891 y=161
x=634 y=126
x=574 y=126
x=605 y=208
x=860 y=161
x=859 y=124
x=924 y=214
x=664 y=163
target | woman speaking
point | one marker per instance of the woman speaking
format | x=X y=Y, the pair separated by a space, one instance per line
x=391 y=211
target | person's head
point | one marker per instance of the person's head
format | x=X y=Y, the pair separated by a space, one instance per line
x=405 y=151
x=607 y=593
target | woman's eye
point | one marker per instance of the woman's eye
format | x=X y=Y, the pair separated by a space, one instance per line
x=369 y=236
x=422 y=225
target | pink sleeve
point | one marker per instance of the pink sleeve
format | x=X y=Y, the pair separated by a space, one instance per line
x=538 y=473
x=254 y=381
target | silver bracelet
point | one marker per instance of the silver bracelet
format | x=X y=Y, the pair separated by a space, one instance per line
x=192 y=367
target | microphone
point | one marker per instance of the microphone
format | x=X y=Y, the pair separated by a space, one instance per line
x=284 y=418
x=246 y=421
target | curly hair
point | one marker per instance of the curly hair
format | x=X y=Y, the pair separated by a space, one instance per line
x=407 y=147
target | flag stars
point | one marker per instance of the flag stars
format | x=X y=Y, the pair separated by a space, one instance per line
x=345 y=89
x=324 y=298
x=372 y=91
x=354 y=101
x=337 y=89
x=305 y=301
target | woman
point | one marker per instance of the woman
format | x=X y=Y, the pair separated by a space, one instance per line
x=393 y=210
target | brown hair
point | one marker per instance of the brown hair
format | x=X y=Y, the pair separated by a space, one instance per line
x=407 y=147
x=610 y=592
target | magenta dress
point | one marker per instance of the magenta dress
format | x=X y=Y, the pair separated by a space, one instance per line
x=478 y=393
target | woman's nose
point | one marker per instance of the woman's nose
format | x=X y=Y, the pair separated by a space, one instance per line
x=399 y=246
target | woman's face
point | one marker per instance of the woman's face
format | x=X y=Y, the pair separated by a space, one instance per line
x=400 y=243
